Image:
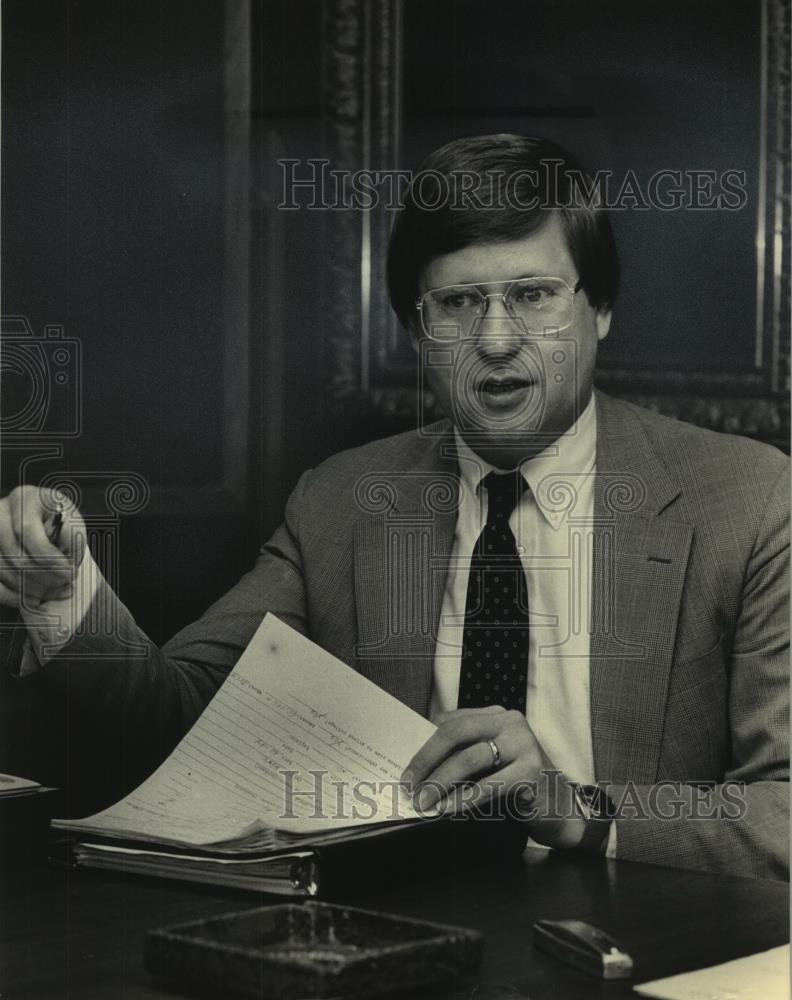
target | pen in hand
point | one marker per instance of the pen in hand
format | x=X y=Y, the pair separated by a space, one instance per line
x=57 y=524
x=18 y=627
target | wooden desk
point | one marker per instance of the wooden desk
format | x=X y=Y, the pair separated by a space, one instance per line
x=80 y=934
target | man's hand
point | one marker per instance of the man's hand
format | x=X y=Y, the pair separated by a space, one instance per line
x=33 y=569
x=456 y=768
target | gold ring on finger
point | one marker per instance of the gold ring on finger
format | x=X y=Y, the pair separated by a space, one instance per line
x=496 y=757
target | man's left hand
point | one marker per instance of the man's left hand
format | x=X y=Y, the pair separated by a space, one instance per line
x=457 y=767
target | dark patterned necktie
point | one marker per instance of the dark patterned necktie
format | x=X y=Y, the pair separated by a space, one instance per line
x=494 y=669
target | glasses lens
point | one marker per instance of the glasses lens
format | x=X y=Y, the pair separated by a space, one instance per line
x=451 y=313
x=542 y=305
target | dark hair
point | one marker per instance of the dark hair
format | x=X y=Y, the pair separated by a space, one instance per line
x=494 y=188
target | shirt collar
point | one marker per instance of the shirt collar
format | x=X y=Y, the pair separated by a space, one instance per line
x=573 y=453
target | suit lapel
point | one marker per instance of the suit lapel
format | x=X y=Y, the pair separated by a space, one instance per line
x=402 y=546
x=640 y=561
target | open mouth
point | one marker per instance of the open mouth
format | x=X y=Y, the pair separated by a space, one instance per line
x=502 y=386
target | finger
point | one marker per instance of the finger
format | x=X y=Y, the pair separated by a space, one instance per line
x=43 y=571
x=35 y=576
x=459 y=768
x=12 y=557
x=64 y=594
x=15 y=564
x=9 y=545
x=9 y=576
x=461 y=730
x=9 y=596
x=449 y=737
x=38 y=590
x=461 y=713
x=509 y=786
x=29 y=517
x=514 y=742
x=72 y=539
x=24 y=576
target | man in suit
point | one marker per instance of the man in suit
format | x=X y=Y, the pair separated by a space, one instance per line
x=589 y=599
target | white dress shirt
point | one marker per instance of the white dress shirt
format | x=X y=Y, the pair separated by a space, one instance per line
x=552 y=526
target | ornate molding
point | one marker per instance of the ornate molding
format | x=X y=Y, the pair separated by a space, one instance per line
x=362 y=116
x=362 y=120
x=773 y=216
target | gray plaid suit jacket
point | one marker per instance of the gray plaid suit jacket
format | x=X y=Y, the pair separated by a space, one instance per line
x=689 y=669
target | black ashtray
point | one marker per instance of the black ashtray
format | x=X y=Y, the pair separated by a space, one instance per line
x=295 y=951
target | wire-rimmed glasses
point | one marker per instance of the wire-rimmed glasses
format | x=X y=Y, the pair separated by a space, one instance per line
x=540 y=306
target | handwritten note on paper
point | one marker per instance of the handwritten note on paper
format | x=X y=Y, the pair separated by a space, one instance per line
x=294 y=740
x=764 y=976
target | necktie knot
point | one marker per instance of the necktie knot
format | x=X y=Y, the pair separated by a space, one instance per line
x=504 y=490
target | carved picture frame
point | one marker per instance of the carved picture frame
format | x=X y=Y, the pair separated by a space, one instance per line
x=362 y=116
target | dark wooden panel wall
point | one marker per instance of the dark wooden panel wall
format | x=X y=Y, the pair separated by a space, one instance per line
x=196 y=347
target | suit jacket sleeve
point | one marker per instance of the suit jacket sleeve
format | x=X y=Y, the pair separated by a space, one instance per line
x=740 y=826
x=128 y=702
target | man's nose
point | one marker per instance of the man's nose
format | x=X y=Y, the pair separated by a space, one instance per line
x=498 y=332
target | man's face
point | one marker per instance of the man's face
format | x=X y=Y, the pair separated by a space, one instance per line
x=508 y=392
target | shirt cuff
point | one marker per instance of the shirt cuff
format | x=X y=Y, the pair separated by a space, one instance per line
x=54 y=623
x=610 y=849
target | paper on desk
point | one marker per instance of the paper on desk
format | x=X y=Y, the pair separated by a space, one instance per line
x=287 y=708
x=11 y=785
x=764 y=976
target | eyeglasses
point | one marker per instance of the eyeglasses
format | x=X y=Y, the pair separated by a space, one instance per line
x=540 y=307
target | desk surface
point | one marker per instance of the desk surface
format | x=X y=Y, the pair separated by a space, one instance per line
x=80 y=934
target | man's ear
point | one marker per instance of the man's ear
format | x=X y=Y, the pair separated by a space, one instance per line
x=414 y=334
x=603 y=321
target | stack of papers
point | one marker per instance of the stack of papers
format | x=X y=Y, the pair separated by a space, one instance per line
x=295 y=743
x=296 y=753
